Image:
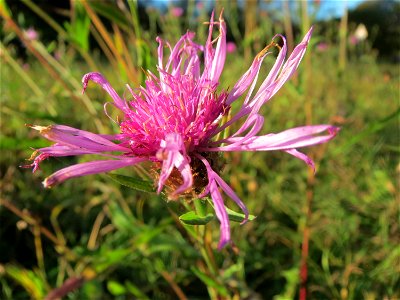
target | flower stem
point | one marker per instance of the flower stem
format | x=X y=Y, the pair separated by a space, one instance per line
x=306 y=236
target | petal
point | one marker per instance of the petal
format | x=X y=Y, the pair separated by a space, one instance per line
x=252 y=74
x=277 y=66
x=174 y=57
x=213 y=176
x=303 y=157
x=228 y=190
x=271 y=85
x=220 y=52
x=88 y=168
x=58 y=150
x=293 y=61
x=214 y=59
x=160 y=52
x=257 y=122
x=289 y=139
x=222 y=215
x=77 y=138
x=99 y=79
x=173 y=154
x=294 y=138
x=208 y=49
x=219 y=207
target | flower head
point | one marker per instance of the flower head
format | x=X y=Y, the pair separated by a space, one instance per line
x=230 y=47
x=31 y=34
x=174 y=122
x=177 y=11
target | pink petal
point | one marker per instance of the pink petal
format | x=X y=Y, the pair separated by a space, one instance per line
x=228 y=190
x=214 y=180
x=220 y=52
x=208 y=49
x=160 y=52
x=222 y=215
x=77 y=138
x=99 y=79
x=303 y=157
x=271 y=85
x=256 y=120
x=293 y=61
x=173 y=154
x=250 y=77
x=277 y=66
x=58 y=150
x=88 y=168
x=293 y=138
x=285 y=140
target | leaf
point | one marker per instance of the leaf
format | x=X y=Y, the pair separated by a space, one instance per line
x=116 y=288
x=110 y=258
x=28 y=279
x=112 y=13
x=237 y=217
x=191 y=218
x=200 y=206
x=121 y=219
x=233 y=215
x=134 y=290
x=210 y=282
x=133 y=183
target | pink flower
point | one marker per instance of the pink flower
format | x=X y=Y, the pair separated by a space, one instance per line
x=175 y=121
x=31 y=34
x=322 y=47
x=177 y=11
x=230 y=47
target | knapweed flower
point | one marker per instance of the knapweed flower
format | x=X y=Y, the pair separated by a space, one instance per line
x=175 y=122
x=230 y=47
x=177 y=11
x=31 y=34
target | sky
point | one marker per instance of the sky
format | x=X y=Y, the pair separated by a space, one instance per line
x=327 y=8
x=335 y=8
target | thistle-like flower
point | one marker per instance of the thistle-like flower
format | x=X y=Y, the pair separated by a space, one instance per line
x=174 y=122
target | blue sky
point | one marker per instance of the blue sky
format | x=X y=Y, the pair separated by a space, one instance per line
x=327 y=9
x=335 y=8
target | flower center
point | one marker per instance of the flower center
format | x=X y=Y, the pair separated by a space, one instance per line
x=172 y=104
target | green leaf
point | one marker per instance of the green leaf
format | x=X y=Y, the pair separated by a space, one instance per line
x=112 y=13
x=28 y=279
x=134 y=290
x=200 y=206
x=109 y=258
x=191 y=218
x=237 y=217
x=233 y=215
x=210 y=282
x=116 y=288
x=133 y=183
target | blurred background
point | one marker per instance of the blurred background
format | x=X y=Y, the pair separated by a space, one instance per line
x=98 y=240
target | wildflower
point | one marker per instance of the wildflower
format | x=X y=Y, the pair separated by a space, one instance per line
x=174 y=122
x=230 y=47
x=31 y=34
x=322 y=46
x=177 y=11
